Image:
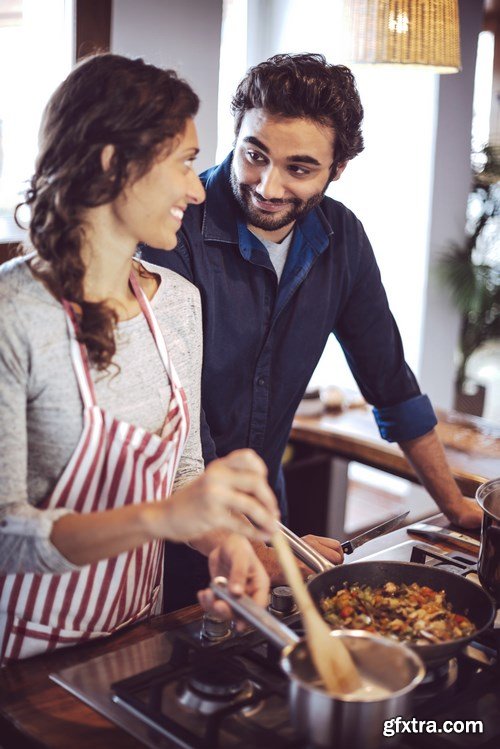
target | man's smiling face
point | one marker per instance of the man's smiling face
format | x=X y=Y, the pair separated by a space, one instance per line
x=281 y=169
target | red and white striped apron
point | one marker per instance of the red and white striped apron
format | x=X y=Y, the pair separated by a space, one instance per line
x=114 y=464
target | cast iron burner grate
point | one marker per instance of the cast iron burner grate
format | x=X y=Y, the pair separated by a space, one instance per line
x=457 y=562
x=219 y=698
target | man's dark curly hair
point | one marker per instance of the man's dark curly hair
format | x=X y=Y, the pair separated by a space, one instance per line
x=305 y=85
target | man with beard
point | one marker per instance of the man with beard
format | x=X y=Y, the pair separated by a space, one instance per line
x=280 y=266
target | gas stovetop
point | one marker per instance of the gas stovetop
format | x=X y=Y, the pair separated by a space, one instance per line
x=205 y=687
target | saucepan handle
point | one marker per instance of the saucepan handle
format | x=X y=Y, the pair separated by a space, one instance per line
x=272 y=628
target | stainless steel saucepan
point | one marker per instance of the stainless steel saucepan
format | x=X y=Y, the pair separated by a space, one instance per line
x=488 y=566
x=347 y=720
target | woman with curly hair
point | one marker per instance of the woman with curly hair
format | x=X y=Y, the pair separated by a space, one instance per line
x=100 y=363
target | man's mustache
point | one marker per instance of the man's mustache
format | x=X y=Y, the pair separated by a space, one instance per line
x=274 y=201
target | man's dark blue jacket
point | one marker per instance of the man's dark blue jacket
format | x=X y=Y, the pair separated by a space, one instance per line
x=262 y=341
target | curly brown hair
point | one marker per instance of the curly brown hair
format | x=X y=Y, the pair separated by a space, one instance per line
x=107 y=99
x=305 y=85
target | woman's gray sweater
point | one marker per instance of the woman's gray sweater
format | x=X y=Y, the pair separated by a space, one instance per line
x=41 y=412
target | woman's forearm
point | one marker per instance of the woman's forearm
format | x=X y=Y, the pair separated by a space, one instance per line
x=216 y=502
x=87 y=538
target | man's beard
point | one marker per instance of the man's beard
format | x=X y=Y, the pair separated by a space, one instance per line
x=271 y=222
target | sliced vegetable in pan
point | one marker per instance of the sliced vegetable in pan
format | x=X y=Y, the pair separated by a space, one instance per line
x=410 y=613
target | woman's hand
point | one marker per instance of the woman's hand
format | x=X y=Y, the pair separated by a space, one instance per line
x=235 y=559
x=229 y=488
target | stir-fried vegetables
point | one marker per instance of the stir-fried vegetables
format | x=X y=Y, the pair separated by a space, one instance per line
x=411 y=613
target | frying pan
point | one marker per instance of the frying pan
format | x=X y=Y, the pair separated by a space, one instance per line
x=466 y=597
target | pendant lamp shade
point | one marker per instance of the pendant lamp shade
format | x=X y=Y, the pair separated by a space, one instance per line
x=414 y=33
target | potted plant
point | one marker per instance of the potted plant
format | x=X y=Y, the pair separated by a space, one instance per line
x=471 y=271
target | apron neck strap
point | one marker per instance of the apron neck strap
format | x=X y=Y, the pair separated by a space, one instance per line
x=79 y=358
x=145 y=306
x=79 y=353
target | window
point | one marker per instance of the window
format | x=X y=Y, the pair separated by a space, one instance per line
x=36 y=53
x=483 y=86
x=233 y=64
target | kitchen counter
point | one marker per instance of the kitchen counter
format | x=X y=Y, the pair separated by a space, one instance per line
x=472 y=444
x=36 y=713
x=472 y=447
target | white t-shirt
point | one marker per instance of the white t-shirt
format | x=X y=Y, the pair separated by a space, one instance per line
x=278 y=251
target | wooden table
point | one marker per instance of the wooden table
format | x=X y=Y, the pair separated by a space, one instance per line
x=472 y=447
x=36 y=713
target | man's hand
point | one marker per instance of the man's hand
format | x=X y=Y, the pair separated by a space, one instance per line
x=466 y=514
x=328 y=547
x=235 y=559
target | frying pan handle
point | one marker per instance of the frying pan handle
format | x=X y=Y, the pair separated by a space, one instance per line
x=268 y=625
x=304 y=552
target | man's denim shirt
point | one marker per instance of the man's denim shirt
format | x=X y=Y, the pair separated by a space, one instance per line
x=262 y=341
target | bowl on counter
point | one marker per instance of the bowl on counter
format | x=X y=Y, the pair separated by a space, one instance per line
x=311 y=404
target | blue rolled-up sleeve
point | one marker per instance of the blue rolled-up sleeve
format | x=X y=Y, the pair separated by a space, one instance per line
x=407 y=420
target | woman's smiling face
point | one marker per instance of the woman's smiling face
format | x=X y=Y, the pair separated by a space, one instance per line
x=151 y=208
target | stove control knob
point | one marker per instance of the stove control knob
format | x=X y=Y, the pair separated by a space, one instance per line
x=282 y=600
x=214 y=628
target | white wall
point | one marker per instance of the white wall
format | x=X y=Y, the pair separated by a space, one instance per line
x=179 y=34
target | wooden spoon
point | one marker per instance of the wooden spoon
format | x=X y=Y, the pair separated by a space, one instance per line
x=331 y=658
